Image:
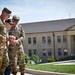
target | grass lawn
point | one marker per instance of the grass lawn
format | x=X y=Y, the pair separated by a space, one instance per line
x=53 y=68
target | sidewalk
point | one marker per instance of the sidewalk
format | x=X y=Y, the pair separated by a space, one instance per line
x=24 y=74
x=68 y=62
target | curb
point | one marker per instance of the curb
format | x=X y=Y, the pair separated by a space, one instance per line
x=39 y=72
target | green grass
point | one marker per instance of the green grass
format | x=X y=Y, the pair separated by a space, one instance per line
x=53 y=68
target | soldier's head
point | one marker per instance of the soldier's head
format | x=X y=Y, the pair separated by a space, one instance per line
x=8 y=24
x=15 y=19
x=5 y=13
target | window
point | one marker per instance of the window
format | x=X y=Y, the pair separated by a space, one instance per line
x=59 y=52
x=30 y=52
x=59 y=39
x=44 y=52
x=34 y=40
x=65 y=51
x=50 y=52
x=64 y=38
x=43 y=40
x=49 y=39
x=29 y=40
x=35 y=51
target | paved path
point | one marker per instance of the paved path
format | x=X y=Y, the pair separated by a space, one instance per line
x=25 y=73
x=68 y=62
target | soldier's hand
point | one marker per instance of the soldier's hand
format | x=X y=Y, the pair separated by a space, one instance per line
x=14 y=42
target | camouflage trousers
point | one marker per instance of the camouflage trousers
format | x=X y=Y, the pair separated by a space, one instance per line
x=4 y=64
x=16 y=58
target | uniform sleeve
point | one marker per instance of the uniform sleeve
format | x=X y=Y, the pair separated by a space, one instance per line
x=22 y=34
x=2 y=30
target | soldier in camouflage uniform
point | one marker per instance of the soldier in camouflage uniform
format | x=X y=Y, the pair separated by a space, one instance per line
x=3 y=59
x=16 y=52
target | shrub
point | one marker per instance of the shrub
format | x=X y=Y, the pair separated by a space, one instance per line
x=50 y=60
x=27 y=58
x=36 y=59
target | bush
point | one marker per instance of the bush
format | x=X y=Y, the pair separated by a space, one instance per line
x=50 y=60
x=27 y=58
x=36 y=59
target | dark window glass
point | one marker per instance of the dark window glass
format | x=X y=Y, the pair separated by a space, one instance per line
x=65 y=51
x=29 y=40
x=30 y=52
x=35 y=51
x=58 y=39
x=64 y=38
x=49 y=39
x=59 y=52
x=50 y=52
x=34 y=40
x=44 y=52
x=43 y=40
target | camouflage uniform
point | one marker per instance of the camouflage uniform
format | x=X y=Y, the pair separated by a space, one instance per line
x=16 y=53
x=5 y=59
x=3 y=46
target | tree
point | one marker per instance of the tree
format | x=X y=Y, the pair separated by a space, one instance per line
x=36 y=59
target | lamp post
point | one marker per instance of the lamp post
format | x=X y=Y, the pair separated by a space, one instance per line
x=54 y=43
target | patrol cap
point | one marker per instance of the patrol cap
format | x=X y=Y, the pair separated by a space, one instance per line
x=9 y=21
x=16 y=18
x=6 y=10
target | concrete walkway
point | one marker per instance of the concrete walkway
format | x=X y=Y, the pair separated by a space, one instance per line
x=39 y=72
x=68 y=62
x=24 y=74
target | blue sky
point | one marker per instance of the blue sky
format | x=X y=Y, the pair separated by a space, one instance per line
x=40 y=10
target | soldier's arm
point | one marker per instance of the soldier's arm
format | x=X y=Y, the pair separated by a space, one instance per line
x=2 y=33
x=22 y=35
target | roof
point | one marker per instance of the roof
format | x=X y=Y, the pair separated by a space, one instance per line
x=47 y=26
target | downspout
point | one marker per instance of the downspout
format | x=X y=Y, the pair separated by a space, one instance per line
x=54 y=43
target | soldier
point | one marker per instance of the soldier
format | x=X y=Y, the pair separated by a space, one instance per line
x=3 y=55
x=16 y=52
x=8 y=25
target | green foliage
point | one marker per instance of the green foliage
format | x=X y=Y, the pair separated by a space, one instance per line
x=27 y=58
x=36 y=59
x=50 y=60
x=53 y=68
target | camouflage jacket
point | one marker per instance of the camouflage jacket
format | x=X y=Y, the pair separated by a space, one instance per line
x=2 y=31
x=18 y=32
x=2 y=28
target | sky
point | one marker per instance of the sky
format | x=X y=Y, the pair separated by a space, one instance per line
x=40 y=10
